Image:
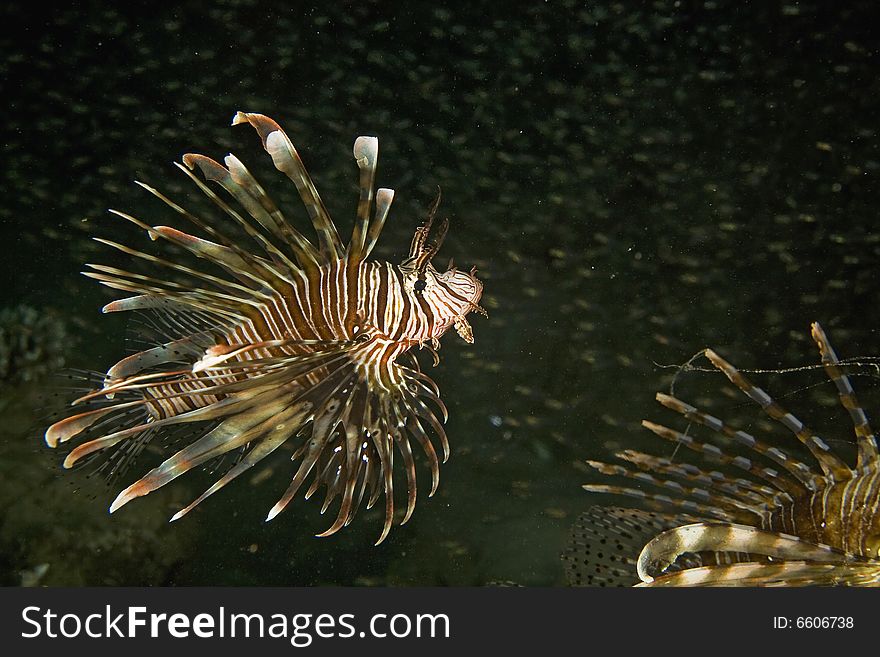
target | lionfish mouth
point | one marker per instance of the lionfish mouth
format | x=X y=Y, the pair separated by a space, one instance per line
x=268 y=352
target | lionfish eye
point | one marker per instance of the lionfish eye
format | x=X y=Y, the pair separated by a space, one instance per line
x=419 y=285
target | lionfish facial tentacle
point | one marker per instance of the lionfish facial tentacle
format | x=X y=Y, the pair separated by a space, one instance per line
x=868 y=456
x=420 y=237
x=831 y=465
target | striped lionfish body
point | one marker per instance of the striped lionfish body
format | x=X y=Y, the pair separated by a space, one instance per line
x=786 y=523
x=299 y=342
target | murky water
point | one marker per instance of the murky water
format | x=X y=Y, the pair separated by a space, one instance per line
x=634 y=184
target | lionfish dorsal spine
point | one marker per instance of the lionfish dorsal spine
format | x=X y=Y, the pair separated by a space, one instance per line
x=384 y=197
x=228 y=253
x=366 y=154
x=831 y=465
x=866 y=442
x=799 y=470
x=213 y=171
x=287 y=160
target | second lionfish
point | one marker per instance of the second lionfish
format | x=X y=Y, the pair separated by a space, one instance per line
x=283 y=340
x=786 y=523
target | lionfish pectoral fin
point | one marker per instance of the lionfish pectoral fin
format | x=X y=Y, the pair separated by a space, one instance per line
x=263 y=414
x=605 y=542
x=665 y=548
x=789 y=573
x=273 y=433
x=63 y=430
x=358 y=424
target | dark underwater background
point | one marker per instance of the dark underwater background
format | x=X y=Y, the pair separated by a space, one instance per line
x=635 y=181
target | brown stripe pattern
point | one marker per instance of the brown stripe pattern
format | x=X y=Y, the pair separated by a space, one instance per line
x=290 y=341
x=783 y=523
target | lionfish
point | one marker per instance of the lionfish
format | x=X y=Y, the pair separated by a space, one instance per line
x=285 y=340
x=788 y=523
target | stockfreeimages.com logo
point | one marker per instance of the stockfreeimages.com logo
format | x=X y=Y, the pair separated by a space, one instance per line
x=300 y=629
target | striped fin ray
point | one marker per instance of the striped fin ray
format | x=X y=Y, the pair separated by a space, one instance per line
x=215 y=172
x=144 y=390
x=716 y=453
x=200 y=298
x=788 y=574
x=273 y=419
x=232 y=290
x=720 y=506
x=757 y=497
x=384 y=197
x=233 y=432
x=366 y=154
x=225 y=252
x=799 y=470
x=278 y=266
x=665 y=548
x=831 y=465
x=287 y=160
x=662 y=503
x=355 y=430
x=867 y=443
x=174 y=351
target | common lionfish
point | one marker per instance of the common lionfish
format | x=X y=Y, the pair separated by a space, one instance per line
x=789 y=525
x=284 y=340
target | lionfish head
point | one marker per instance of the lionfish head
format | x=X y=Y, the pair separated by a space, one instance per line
x=451 y=294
